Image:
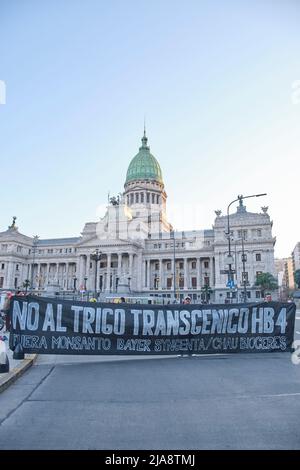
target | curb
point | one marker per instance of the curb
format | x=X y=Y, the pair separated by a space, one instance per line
x=15 y=373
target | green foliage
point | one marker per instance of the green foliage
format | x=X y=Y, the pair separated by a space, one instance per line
x=297 y=278
x=26 y=284
x=206 y=291
x=267 y=282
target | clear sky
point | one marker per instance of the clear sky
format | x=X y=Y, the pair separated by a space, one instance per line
x=217 y=80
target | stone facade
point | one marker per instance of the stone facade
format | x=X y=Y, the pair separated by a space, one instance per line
x=138 y=249
x=285 y=273
x=296 y=257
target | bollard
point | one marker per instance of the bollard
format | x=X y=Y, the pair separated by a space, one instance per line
x=18 y=352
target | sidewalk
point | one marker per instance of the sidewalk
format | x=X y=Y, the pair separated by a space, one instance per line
x=16 y=367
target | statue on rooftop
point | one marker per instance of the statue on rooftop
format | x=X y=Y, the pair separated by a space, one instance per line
x=13 y=225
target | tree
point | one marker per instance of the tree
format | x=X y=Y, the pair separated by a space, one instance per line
x=297 y=278
x=26 y=284
x=266 y=282
x=115 y=200
x=206 y=291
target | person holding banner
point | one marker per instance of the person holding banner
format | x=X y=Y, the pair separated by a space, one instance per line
x=187 y=301
x=5 y=309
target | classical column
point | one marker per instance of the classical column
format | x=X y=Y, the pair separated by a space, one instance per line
x=76 y=270
x=172 y=272
x=198 y=265
x=9 y=277
x=23 y=274
x=218 y=278
x=47 y=274
x=252 y=263
x=160 y=274
x=139 y=271
x=44 y=274
x=38 y=275
x=211 y=271
x=90 y=274
x=132 y=272
x=108 y=271
x=81 y=272
x=185 y=268
x=144 y=273
x=104 y=280
x=67 y=275
x=148 y=274
x=84 y=271
x=56 y=273
x=29 y=272
x=86 y=266
x=63 y=275
x=119 y=266
x=130 y=264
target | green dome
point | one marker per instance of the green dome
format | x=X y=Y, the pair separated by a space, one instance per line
x=144 y=165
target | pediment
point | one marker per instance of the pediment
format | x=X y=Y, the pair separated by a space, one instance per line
x=15 y=236
x=105 y=243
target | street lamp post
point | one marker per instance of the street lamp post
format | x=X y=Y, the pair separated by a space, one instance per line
x=85 y=279
x=35 y=241
x=96 y=257
x=174 y=267
x=244 y=281
x=236 y=273
x=230 y=258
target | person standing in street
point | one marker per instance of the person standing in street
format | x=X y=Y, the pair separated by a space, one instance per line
x=5 y=310
x=187 y=300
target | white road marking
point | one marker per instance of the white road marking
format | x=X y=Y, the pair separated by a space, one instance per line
x=297 y=394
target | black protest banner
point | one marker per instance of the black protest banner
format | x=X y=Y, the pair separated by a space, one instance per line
x=52 y=326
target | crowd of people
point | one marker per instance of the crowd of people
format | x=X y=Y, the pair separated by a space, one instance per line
x=187 y=300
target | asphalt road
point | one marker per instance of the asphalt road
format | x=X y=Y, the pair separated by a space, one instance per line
x=204 y=402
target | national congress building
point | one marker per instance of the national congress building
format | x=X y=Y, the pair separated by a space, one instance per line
x=138 y=250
